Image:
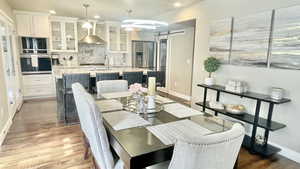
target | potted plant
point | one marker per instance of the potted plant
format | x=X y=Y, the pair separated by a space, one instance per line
x=211 y=65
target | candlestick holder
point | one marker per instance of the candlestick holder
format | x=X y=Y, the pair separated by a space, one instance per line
x=151 y=104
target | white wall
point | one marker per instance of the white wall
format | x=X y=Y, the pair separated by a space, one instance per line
x=259 y=79
x=180 y=61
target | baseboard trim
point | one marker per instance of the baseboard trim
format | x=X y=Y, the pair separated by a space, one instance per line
x=288 y=153
x=185 y=97
x=5 y=130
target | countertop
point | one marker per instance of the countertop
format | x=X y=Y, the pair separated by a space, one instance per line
x=58 y=71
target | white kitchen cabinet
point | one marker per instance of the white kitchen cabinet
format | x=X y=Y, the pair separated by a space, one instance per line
x=31 y=24
x=41 y=26
x=117 y=38
x=63 y=34
x=38 y=86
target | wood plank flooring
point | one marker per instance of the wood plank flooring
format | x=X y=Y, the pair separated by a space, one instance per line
x=37 y=141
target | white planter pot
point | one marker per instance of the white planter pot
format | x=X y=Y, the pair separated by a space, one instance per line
x=209 y=81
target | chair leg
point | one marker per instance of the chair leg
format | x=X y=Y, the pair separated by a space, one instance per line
x=95 y=164
x=87 y=147
x=236 y=163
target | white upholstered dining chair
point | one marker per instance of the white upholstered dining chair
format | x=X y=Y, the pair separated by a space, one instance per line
x=108 y=86
x=79 y=92
x=216 y=151
x=92 y=124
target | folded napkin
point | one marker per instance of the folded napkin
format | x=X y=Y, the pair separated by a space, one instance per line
x=109 y=105
x=163 y=100
x=34 y=61
x=120 y=120
x=115 y=95
x=181 y=111
x=168 y=133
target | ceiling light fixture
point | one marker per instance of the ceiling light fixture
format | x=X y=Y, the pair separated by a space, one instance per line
x=86 y=24
x=177 y=4
x=145 y=22
x=129 y=24
x=52 y=12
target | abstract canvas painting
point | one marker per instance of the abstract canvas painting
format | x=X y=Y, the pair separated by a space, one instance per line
x=286 y=39
x=220 y=37
x=250 y=40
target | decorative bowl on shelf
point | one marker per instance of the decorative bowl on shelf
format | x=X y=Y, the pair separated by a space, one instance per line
x=235 y=109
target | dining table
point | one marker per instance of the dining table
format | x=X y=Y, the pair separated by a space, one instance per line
x=137 y=146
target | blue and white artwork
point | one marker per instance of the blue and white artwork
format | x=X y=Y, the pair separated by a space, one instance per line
x=251 y=39
x=286 y=39
x=220 y=37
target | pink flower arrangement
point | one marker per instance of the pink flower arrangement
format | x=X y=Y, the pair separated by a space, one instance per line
x=137 y=88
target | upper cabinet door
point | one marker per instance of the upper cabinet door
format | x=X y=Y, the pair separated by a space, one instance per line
x=71 y=36
x=63 y=34
x=113 y=38
x=123 y=40
x=24 y=23
x=56 y=36
x=40 y=26
x=32 y=24
x=117 y=38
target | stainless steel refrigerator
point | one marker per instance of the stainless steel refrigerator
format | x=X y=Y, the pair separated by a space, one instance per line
x=144 y=54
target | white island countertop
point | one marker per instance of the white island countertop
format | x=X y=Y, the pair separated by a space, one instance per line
x=58 y=71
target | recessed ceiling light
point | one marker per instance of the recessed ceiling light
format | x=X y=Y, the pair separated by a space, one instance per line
x=96 y=16
x=52 y=11
x=177 y=4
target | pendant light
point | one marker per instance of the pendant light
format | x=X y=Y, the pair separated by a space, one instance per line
x=87 y=24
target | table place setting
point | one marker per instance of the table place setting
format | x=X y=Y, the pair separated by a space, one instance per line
x=168 y=133
x=181 y=111
x=109 y=105
x=163 y=100
x=116 y=95
x=120 y=120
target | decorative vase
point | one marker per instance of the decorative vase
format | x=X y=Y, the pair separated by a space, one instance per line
x=209 y=81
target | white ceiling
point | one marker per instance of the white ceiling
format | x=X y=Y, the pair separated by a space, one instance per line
x=107 y=9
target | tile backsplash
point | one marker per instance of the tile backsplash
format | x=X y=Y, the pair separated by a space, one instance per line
x=91 y=54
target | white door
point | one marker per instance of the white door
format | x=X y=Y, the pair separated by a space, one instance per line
x=7 y=54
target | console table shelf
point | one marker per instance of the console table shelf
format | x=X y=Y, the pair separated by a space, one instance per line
x=250 y=95
x=248 y=118
x=250 y=142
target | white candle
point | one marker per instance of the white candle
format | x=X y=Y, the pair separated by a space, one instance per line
x=151 y=86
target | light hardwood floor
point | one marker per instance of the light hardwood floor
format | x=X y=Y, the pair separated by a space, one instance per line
x=37 y=141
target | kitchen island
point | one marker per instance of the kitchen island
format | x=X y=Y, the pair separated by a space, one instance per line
x=66 y=107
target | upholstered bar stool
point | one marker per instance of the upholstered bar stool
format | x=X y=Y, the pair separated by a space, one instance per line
x=133 y=77
x=71 y=115
x=107 y=76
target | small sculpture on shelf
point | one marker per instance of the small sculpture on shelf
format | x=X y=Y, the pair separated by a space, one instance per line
x=236 y=86
x=211 y=65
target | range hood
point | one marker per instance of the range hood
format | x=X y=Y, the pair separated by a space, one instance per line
x=92 y=39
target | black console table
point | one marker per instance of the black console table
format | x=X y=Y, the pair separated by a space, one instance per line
x=249 y=142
